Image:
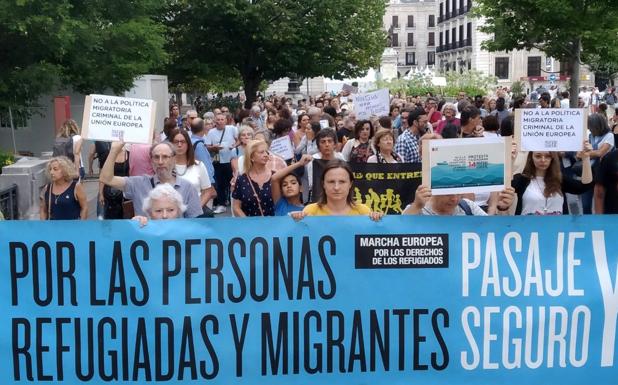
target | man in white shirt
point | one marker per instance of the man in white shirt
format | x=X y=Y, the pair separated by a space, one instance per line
x=220 y=143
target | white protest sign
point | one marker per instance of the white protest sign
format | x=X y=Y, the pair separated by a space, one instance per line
x=282 y=147
x=372 y=103
x=550 y=129
x=466 y=165
x=112 y=118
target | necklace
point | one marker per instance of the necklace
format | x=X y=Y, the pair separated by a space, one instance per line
x=538 y=185
x=184 y=172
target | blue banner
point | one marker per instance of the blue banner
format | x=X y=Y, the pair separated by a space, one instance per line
x=463 y=300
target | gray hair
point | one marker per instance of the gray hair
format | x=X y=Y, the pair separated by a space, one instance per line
x=189 y=112
x=313 y=111
x=165 y=142
x=256 y=109
x=209 y=115
x=164 y=190
x=446 y=106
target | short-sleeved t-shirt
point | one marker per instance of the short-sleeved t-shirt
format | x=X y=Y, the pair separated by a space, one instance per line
x=227 y=138
x=249 y=204
x=315 y=209
x=283 y=207
x=138 y=187
x=197 y=175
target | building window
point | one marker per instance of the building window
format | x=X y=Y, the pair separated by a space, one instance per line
x=395 y=21
x=432 y=21
x=461 y=7
x=431 y=39
x=395 y=40
x=410 y=58
x=441 y=11
x=431 y=58
x=502 y=67
x=454 y=35
x=565 y=69
x=410 y=21
x=461 y=36
x=410 y=40
x=534 y=66
x=446 y=39
x=469 y=34
x=448 y=9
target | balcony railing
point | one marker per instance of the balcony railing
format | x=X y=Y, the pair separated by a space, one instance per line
x=410 y=25
x=8 y=202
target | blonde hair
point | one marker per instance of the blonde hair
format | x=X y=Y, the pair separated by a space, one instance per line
x=69 y=128
x=251 y=147
x=66 y=165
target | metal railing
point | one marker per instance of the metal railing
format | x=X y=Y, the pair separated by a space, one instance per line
x=8 y=202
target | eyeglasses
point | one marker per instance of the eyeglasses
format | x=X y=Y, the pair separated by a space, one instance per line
x=179 y=142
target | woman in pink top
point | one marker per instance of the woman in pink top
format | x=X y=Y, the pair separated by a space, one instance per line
x=448 y=113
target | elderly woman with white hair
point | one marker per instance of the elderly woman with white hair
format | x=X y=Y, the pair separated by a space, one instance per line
x=162 y=202
x=449 y=113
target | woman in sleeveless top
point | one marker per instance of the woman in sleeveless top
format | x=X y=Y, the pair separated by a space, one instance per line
x=64 y=197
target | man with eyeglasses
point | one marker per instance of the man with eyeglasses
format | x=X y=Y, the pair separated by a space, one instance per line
x=137 y=188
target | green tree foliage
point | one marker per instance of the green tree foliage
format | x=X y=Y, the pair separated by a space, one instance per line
x=92 y=46
x=472 y=82
x=568 y=30
x=270 y=39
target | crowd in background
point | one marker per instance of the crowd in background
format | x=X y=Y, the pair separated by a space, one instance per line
x=220 y=161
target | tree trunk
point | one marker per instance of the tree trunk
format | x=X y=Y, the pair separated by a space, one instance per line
x=251 y=85
x=574 y=61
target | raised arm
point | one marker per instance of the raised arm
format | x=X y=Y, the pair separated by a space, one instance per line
x=276 y=177
x=107 y=173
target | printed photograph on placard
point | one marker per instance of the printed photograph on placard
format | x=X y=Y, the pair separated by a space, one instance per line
x=471 y=165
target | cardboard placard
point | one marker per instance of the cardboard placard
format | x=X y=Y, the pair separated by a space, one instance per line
x=375 y=103
x=113 y=118
x=282 y=147
x=551 y=129
x=468 y=165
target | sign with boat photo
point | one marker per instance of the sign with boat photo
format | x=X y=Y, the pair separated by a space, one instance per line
x=469 y=165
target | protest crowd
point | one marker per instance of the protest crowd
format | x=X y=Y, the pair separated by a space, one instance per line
x=262 y=161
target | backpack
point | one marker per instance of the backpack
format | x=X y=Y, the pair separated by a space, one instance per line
x=63 y=146
x=196 y=142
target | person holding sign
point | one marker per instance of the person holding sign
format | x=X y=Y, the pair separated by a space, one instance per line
x=454 y=204
x=383 y=141
x=541 y=186
x=337 y=196
x=162 y=202
x=163 y=158
x=64 y=197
